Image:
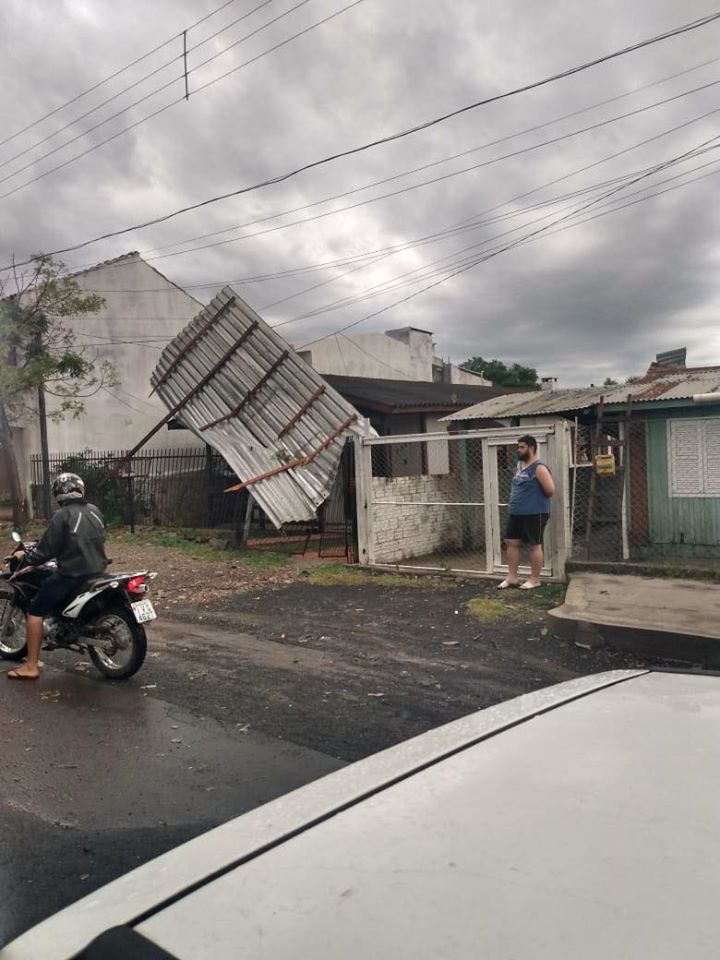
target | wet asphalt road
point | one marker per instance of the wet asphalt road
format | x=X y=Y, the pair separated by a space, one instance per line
x=100 y=777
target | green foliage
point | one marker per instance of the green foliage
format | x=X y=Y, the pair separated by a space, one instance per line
x=504 y=375
x=111 y=496
x=40 y=350
x=609 y=382
x=487 y=609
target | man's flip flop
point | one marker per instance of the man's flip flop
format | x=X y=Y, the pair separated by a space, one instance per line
x=507 y=585
x=530 y=586
x=14 y=675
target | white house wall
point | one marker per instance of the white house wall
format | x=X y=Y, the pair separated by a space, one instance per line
x=396 y=355
x=467 y=378
x=139 y=303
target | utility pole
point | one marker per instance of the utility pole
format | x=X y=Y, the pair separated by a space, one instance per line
x=45 y=454
x=46 y=500
x=6 y=439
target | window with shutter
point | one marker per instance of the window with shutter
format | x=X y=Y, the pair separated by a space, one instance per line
x=694 y=458
x=711 y=444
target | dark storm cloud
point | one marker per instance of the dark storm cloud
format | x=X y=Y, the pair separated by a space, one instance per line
x=597 y=300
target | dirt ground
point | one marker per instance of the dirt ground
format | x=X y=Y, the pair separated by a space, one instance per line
x=340 y=660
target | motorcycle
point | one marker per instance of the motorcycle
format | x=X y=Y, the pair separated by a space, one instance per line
x=104 y=618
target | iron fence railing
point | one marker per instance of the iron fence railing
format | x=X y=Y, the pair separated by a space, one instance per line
x=185 y=488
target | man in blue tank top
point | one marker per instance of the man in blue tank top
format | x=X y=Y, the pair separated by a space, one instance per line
x=529 y=511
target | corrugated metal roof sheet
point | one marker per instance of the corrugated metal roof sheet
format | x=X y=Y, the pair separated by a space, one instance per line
x=241 y=388
x=529 y=404
x=660 y=383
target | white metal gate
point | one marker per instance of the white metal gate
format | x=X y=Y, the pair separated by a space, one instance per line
x=438 y=502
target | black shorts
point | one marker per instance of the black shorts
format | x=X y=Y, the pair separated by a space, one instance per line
x=53 y=593
x=529 y=528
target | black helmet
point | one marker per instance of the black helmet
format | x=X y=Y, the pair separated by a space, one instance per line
x=67 y=487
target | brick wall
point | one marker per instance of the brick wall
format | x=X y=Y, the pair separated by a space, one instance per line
x=408 y=532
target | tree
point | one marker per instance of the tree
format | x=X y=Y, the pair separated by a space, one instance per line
x=41 y=355
x=514 y=375
x=609 y=382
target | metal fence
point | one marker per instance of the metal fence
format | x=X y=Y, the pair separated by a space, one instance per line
x=331 y=534
x=635 y=497
x=186 y=489
x=170 y=488
x=439 y=502
x=635 y=490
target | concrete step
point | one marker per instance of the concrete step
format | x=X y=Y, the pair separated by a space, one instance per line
x=655 y=617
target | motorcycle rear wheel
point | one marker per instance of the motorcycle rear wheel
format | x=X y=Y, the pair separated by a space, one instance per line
x=12 y=628
x=122 y=644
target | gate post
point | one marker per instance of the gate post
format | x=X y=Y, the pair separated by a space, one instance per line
x=561 y=506
x=363 y=494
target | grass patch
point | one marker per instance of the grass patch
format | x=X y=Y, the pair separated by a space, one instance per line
x=550 y=595
x=517 y=603
x=487 y=610
x=338 y=575
x=259 y=560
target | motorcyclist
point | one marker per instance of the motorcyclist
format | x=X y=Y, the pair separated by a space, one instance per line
x=75 y=538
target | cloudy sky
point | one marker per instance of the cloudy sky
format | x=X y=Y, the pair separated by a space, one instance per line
x=580 y=302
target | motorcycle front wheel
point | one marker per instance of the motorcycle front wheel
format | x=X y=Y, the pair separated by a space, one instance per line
x=121 y=644
x=12 y=628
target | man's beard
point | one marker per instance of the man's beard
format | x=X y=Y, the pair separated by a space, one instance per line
x=524 y=456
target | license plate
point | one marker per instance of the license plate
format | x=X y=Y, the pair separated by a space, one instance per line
x=144 y=611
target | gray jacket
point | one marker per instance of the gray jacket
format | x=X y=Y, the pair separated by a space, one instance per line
x=76 y=539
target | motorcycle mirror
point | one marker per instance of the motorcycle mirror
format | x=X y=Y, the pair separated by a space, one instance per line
x=16 y=537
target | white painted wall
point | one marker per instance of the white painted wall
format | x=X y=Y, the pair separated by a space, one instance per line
x=405 y=529
x=139 y=302
x=404 y=354
x=468 y=378
x=438 y=451
x=395 y=355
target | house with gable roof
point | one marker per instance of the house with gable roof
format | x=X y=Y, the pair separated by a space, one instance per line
x=142 y=311
x=662 y=431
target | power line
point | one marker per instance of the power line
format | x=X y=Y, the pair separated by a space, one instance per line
x=455 y=173
x=120 y=93
x=433 y=238
x=475 y=261
x=650 y=196
x=390 y=138
x=173 y=103
x=484 y=146
x=143 y=413
x=702 y=148
x=112 y=76
x=433 y=180
x=397 y=282
x=373 y=257
x=135 y=103
x=431 y=269
x=528 y=238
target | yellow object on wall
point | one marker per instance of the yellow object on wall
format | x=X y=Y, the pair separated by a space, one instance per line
x=605 y=464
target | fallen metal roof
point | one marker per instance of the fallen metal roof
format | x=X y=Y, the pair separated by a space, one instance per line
x=660 y=383
x=241 y=388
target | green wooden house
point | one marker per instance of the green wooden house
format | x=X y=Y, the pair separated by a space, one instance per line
x=665 y=497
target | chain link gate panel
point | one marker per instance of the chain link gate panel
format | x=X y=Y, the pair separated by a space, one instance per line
x=438 y=502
